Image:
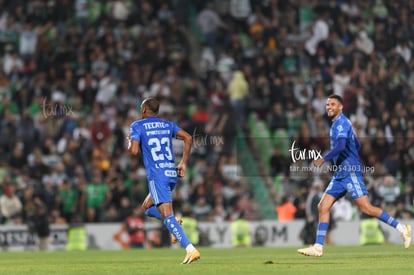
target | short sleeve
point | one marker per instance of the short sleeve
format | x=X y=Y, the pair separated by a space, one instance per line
x=175 y=129
x=135 y=131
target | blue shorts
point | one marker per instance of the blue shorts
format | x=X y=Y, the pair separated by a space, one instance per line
x=161 y=191
x=353 y=184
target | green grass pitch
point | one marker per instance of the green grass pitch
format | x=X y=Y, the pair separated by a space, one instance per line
x=385 y=259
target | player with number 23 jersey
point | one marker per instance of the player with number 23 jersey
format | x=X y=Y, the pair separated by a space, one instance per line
x=153 y=137
x=158 y=155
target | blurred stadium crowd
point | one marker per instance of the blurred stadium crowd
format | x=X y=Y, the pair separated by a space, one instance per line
x=74 y=72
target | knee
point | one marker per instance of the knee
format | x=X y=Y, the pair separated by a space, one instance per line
x=322 y=208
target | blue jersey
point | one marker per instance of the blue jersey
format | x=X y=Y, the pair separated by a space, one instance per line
x=155 y=137
x=347 y=161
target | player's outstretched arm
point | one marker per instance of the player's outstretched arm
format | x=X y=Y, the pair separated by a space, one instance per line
x=188 y=140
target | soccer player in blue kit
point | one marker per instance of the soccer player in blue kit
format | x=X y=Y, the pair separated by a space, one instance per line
x=153 y=137
x=348 y=177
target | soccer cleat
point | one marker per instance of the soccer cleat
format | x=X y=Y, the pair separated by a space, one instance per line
x=191 y=257
x=173 y=238
x=406 y=235
x=313 y=250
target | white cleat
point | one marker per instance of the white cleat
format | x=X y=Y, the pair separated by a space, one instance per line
x=406 y=235
x=315 y=251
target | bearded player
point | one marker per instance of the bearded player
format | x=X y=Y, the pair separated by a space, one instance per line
x=348 y=177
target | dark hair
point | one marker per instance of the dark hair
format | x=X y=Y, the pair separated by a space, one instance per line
x=152 y=104
x=337 y=97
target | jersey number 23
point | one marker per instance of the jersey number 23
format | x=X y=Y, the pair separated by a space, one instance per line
x=160 y=148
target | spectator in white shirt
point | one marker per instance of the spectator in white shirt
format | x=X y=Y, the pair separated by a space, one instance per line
x=364 y=43
x=82 y=130
x=209 y=22
x=404 y=51
x=12 y=61
x=120 y=10
x=320 y=32
x=10 y=205
x=28 y=41
x=106 y=88
x=341 y=81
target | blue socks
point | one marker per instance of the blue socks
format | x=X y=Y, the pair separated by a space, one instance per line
x=385 y=217
x=323 y=227
x=321 y=233
x=172 y=225
x=175 y=228
x=153 y=212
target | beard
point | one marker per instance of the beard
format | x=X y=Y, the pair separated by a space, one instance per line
x=332 y=115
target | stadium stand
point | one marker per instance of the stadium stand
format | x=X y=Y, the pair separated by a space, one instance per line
x=73 y=72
